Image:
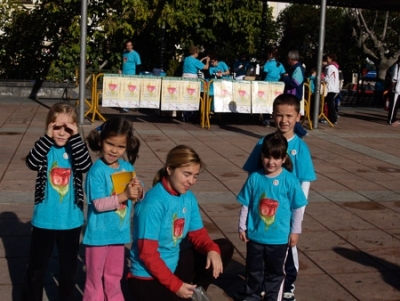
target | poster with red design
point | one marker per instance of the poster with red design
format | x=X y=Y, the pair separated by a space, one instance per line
x=222 y=95
x=264 y=94
x=130 y=92
x=150 y=91
x=111 y=90
x=191 y=95
x=241 y=100
x=180 y=94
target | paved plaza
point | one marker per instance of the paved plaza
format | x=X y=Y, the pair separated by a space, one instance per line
x=350 y=246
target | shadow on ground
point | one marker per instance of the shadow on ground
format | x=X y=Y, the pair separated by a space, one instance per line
x=389 y=271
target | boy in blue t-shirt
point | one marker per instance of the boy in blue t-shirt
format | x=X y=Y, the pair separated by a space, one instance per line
x=286 y=112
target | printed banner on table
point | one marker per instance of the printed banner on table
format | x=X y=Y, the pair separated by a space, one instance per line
x=111 y=91
x=150 y=92
x=222 y=95
x=191 y=95
x=241 y=100
x=130 y=92
x=264 y=94
x=180 y=95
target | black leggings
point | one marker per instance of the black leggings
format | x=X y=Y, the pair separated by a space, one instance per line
x=190 y=269
x=42 y=244
x=330 y=100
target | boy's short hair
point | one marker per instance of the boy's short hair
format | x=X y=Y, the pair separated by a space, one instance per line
x=287 y=99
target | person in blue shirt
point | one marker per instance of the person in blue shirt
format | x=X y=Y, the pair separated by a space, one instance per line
x=191 y=68
x=172 y=252
x=60 y=158
x=192 y=65
x=130 y=63
x=109 y=210
x=273 y=71
x=218 y=69
x=286 y=112
x=270 y=219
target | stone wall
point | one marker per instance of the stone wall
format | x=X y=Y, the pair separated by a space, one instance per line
x=48 y=89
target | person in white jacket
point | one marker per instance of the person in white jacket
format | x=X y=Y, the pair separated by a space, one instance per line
x=332 y=85
x=394 y=104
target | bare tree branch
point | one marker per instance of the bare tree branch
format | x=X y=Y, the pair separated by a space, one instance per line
x=386 y=26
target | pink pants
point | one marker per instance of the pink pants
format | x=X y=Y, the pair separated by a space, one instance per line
x=104 y=269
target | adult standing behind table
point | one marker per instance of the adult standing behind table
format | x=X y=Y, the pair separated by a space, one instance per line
x=130 y=63
x=294 y=82
x=166 y=220
x=273 y=71
x=192 y=66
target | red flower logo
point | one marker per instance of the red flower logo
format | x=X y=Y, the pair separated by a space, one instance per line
x=267 y=209
x=59 y=179
x=178 y=224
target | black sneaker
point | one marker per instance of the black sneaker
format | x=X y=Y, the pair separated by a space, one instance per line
x=288 y=297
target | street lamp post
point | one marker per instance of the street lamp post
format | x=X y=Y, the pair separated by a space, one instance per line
x=82 y=66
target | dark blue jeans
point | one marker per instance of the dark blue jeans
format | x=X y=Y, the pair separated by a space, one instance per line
x=264 y=270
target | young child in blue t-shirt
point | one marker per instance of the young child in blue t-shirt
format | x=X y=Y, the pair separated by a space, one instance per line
x=109 y=213
x=60 y=158
x=270 y=219
x=286 y=112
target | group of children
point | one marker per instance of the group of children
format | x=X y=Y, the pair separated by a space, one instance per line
x=273 y=200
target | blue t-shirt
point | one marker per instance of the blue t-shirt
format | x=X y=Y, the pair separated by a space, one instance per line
x=164 y=218
x=270 y=201
x=221 y=66
x=303 y=167
x=312 y=79
x=130 y=59
x=192 y=65
x=273 y=71
x=58 y=210
x=108 y=227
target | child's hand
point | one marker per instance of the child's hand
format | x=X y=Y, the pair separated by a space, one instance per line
x=243 y=236
x=72 y=128
x=134 y=189
x=293 y=239
x=50 y=129
x=186 y=290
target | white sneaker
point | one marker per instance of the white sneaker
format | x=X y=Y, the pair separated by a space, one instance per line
x=288 y=297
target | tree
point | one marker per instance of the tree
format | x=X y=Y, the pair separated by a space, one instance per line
x=377 y=35
x=46 y=41
x=300 y=24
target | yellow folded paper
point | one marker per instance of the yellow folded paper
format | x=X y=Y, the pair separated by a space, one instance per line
x=121 y=179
